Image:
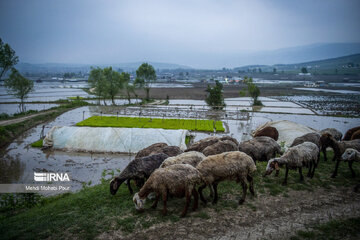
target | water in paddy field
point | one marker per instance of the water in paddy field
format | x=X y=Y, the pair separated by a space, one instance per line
x=20 y=160
x=12 y=108
x=49 y=91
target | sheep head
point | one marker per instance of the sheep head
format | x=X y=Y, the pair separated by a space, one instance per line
x=349 y=154
x=114 y=185
x=139 y=203
x=272 y=165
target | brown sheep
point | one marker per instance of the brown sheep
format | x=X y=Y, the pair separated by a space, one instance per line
x=171 y=151
x=356 y=135
x=268 y=132
x=260 y=148
x=148 y=150
x=332 y=131
x=339 y=149
x=350 y=132
x=227 y=166
x=220 y=147
x=229 y=138
x=199 y=146
x=178 y=180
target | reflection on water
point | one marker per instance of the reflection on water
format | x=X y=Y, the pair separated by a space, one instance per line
x=14 y=108
x=11 y=169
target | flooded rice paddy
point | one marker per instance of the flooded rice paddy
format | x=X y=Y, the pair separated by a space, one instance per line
x=20 y=160
x=18 y=163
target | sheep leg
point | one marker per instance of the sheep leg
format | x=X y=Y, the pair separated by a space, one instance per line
x=336 y=169
x=251 y=184
x=196 y=199
x=286 y=176
x=301 y=175
x=351 y=169
x=324 y=153
x=313 y=171
x=215 y=193
x=187 y=203
x=164 y=197
x=156 y=201
x=244 y=187
x=200 y=189
x=211 y=191
x=129 y=186
x=310 y=167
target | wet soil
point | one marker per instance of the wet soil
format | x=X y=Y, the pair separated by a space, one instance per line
x=262 y=217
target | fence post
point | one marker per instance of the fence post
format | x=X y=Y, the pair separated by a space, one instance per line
x=83 y=115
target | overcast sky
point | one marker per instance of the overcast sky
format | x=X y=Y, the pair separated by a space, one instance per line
x=190 y=32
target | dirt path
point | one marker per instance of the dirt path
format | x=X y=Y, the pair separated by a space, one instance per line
x=21 y=119
x=274 y=218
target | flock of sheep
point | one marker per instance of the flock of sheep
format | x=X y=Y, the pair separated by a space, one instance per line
x=167 y=171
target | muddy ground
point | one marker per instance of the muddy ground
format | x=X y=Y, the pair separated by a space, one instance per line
x=198 y=91
x=262 y=217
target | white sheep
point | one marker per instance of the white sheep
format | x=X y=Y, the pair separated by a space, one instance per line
x=178 y=180
x=302 y=155
x=227 y=166
x=192 y=158
x=351 y=154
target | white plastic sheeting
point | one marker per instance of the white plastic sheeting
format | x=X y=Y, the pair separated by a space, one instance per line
x=107 y=139
x=288 y=130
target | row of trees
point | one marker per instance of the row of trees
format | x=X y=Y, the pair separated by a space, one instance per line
x=107 y=83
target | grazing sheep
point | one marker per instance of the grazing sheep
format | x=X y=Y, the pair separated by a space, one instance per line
x=227 y=166
x=192 y=158
x=138 y=169
x=309 y=137
x=220 y=147
x=260 y=148
x=351 y=154
x=229 y=138
x=333 y=132
x=356 y=135
x=350 y=132
x=148 y=150
x=302 y=155
x=199 y=146
x=171 y=151
x=178 y=180
x=339 y=149
x=268 y=132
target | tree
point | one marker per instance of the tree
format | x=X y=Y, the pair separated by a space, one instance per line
x=7 y=58
x=97 y=83
x=304 y=70
x=215 y=97
x=253 y=91
x=19 y=86
x=129 y=88
x=113 y=83
x=145 y=75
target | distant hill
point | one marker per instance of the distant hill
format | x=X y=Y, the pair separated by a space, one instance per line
x=84 y=68
x=350 y=63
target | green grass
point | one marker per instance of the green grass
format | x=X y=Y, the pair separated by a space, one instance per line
x=38 y=143
x=93 y=210
x=129 y=122
x=337 y=229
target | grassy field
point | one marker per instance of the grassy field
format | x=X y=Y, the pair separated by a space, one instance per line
x=93 y=210
x=337 y=229
x=130 y=122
